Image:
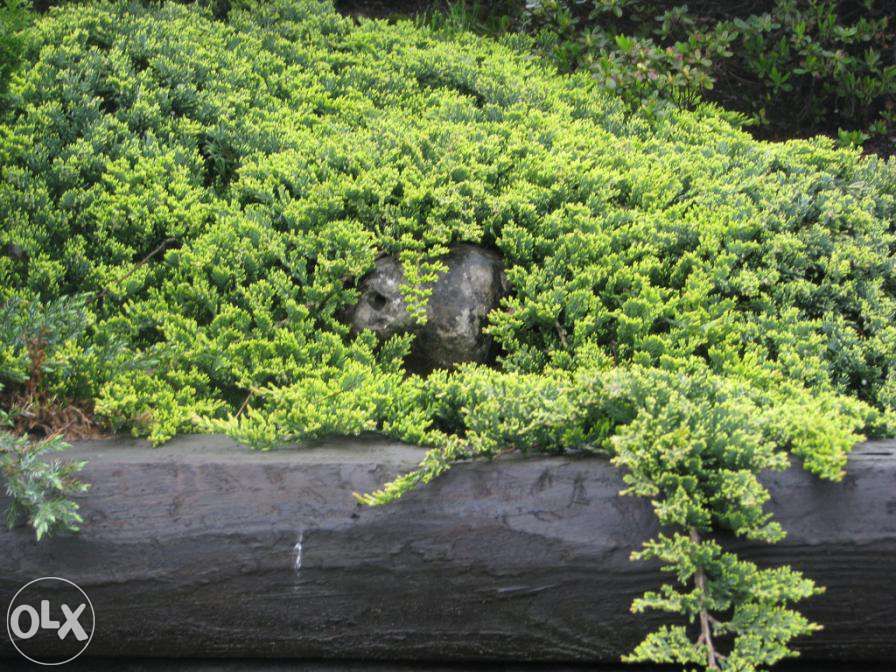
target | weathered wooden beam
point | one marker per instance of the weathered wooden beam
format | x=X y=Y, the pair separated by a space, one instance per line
x=191 y=550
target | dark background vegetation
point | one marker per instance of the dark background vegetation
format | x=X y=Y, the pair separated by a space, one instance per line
x=792 y=68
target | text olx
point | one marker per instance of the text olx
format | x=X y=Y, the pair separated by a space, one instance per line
x=43 y=621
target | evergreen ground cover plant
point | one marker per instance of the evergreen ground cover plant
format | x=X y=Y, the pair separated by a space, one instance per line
x=189 y=200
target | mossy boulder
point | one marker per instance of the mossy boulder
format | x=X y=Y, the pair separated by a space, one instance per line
x=460 y=299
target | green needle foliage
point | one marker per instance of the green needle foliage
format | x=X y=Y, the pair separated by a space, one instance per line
x=15 y=18
x=695 y=304
x=40 y=488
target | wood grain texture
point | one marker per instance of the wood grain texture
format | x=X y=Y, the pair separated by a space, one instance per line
x=190 y=550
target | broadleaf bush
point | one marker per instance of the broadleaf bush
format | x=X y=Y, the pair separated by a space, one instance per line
x=697 y=305
x=791 y=68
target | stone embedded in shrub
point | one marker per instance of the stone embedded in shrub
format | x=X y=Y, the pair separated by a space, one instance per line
x=461 y=299
x=382 y=308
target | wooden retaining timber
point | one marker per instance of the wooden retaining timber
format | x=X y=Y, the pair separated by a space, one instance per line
x=203 y=548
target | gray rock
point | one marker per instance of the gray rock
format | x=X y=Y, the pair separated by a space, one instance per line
x=382 y=309
x=461 y=300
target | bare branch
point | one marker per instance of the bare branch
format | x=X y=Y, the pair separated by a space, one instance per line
x=705 y=639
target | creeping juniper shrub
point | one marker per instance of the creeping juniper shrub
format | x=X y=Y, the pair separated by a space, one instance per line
x=693 y=303
x=40 y=489
x=15 y=18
